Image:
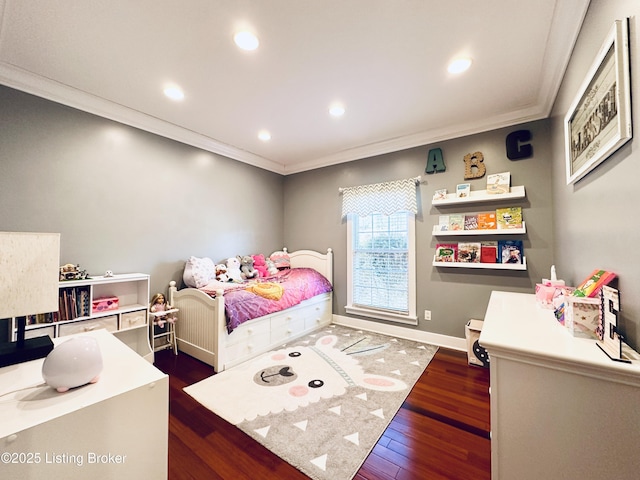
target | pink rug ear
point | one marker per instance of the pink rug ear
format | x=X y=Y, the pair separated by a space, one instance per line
x=327 y=341
x=95 y=380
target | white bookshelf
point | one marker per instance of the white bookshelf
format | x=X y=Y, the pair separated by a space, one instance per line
x=467 y=233
x=486 y=266
x=481 y=196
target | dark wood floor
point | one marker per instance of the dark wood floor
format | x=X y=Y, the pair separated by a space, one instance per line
x=441 y=431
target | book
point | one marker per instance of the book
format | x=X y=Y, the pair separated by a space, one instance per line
x=510 y=251
x=463 y=190
x=440 y=194
x=456 y=221
x=489 y=251
x=446 y=252
x=590 y=286
x=498 y=183
x=469 y=252
x=487 y=221
x=443 y=223
x=510 y=217
x=471 y=222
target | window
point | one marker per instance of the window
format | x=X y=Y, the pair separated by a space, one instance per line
x=381 y=254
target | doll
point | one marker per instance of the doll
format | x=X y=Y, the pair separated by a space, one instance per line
x=159 y=304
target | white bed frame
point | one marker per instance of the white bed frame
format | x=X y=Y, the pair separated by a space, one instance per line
x=201 y=329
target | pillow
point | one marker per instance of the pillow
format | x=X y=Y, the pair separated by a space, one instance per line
x=198 y=272
x=281 y=260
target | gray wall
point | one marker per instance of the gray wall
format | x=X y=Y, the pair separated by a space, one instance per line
x=313 y=209
x=596 y=219
x=124 y=199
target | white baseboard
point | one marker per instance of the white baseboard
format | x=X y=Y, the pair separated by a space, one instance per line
x=445 y=341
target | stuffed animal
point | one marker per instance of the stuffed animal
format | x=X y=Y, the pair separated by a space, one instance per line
x=233 y=270
x=281 y=260
x=246 y=267
x=221 y=273
x=260 y=265
x=271 y=267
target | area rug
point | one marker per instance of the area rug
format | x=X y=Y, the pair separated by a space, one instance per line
x=321 y=402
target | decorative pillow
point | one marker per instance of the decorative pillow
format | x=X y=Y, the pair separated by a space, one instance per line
x=198 y=272
x=281 y=260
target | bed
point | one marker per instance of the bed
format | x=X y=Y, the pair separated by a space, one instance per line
x=202 y=329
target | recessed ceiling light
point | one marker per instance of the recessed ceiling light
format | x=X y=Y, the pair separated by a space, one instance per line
x=336 y=110
x=264 y=136
x=459 y=65
x=246 y=40
x=174 y=93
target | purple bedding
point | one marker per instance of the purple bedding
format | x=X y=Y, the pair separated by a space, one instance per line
x=297 y=284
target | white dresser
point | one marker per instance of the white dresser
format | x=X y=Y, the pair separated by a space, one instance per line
x=115 y=428
x=560 y=408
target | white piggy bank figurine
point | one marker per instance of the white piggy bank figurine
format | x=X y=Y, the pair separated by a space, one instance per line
x=74 y=363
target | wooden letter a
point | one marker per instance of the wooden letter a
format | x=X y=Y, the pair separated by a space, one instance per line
x=435 y=161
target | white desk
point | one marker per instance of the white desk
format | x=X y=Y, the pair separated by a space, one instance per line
x=560 y=408
x=115 y=428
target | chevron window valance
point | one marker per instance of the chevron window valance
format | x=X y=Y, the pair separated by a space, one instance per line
x=385 y=198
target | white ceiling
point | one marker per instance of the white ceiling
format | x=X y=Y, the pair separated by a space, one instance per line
x=385 y=60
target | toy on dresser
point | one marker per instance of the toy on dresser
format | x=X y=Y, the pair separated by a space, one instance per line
x=158 y=305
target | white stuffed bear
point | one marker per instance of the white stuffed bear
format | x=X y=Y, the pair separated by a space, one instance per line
x=233 y=270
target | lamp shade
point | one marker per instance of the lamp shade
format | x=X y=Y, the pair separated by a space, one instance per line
x=29 y=273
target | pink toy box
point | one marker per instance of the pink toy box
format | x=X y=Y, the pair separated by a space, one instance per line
x=103 y=304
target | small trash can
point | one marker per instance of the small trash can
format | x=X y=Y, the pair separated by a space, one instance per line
x=476 y=354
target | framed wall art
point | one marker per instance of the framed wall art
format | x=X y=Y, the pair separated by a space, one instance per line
x=599 y=119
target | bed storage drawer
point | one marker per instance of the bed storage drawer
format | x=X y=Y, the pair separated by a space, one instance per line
x=255 y=333
x=110 y=323
x=286 y=325
x=318 y=315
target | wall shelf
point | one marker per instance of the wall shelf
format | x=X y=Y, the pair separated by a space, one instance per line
x=488 y=266
x=481 y=196
x=494 y=231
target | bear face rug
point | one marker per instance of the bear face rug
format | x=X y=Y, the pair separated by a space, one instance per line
x=321 y=402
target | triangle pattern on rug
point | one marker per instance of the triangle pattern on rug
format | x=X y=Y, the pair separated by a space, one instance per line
x=328 y=385
x=353 y=438
x=320 y=462
x=302 y=425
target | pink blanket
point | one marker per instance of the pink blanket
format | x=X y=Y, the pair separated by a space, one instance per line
x=298 y=284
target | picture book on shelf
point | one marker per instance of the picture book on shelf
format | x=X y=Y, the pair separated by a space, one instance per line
x=446 y=252
x=498 y=183
x=510 y=217
x=440 y=194
x=443 y=223
x=469 y=252
x=463 y=190
x=487 y=221
x=510 y=251
x=471 y=222
x=591 y=285
x=489 y=251
x=456 y=221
